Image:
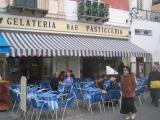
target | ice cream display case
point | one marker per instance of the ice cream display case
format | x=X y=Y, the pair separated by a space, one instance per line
x=4 y=95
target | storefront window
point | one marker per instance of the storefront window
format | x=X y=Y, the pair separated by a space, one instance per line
x=13 y=69
x=141 y=70
x=46 y=68
x=148 y=66
x=133 y=67
x=31 y=67
x=95 y=67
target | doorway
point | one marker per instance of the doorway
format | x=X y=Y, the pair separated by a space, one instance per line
x=140 y=67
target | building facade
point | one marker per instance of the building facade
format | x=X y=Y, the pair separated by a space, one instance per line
x=145 y=23
x=48 y=36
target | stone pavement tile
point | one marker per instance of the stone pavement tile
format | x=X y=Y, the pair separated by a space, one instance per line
x=145 y=112
x=4 y=115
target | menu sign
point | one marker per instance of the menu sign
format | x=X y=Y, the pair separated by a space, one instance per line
x=23 y=94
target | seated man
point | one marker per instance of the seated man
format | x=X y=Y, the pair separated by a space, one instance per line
x=113 y=85
x=54 y=82
x=100 y=81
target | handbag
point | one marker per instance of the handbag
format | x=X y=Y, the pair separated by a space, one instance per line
x=155 y=84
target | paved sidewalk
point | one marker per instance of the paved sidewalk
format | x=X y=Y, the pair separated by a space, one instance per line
x=145 y=112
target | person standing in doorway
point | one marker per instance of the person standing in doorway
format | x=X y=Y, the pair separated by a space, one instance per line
x=153 y=84
x=54 y=82
x=120 y=68
x=128 y=85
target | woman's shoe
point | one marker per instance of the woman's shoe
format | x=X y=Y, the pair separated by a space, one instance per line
x=128 y=117
x=133 y=115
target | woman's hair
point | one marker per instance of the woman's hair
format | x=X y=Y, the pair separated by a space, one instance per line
x=129 y=70
x=55 y=75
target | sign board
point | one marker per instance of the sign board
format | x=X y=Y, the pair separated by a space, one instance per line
x=11 y=22
x=23 y=94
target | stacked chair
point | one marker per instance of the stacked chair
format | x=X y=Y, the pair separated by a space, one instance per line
x=141 y=89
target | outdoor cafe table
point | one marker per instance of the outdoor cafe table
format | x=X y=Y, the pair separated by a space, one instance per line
x=51 y=100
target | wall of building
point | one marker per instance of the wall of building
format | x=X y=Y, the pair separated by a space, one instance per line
x=55 y=9
x=67 y=9
x=118 y=8
x=115 y=15
x=146 y=4
x=67 y=63
x=118 y=4
x=3 y=5
x=149 y=43
x=132 y=4
x=71 y=11
x=156 y=7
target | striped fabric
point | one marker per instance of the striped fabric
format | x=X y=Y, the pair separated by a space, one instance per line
x=43 y=44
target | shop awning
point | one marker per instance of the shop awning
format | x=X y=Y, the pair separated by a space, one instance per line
x=4 y=47
x=43 y=44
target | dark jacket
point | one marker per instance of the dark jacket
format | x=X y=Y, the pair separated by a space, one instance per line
x=54 y=84
x=113 y=86
x=72 y=75
x=153 y=75
x=120 y=68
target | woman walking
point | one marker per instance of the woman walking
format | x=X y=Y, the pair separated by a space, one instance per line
x=128 y=85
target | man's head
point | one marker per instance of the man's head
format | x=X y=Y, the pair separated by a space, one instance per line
x=154 y=67
x=68 y=74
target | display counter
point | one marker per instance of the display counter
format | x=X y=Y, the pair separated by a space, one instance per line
x=4 y=95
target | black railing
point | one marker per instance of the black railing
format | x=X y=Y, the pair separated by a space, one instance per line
x=93 y=10
x=145 y=15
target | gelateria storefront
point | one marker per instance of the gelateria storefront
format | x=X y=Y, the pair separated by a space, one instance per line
x=41 y=47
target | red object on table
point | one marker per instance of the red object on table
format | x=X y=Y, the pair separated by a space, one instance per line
x=4 y=95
